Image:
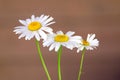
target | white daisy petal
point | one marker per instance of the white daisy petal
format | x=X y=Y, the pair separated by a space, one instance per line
x=28 y=21
x=33 y=18
x=78 y=50
x=23 y=22
x=70 y=33
x=95 y=42
x=22 y=35
x=42 y=34
x=19 y=30
x=44 y=18
x=89 y=48
x=31 y=36
x=28 y=34
x=26 y=37
x=57 y=47
x=77 y=37
x=41 y=17
x=48 y=20
x=59 y=32
x=81 y=48
x=48 y=43
x=19 y=27
x=37 y=36
x=52 y=46
x=48 y=29
x=91 y=37
x=69 y=45
x=88 y=36
x=50 y=23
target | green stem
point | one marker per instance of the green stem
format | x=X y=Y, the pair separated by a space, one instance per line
x=42 y=60
x=59 y=60
x=81 y=64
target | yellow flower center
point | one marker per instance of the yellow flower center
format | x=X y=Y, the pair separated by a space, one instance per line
x=85 y=43
x=61 y=38
x=33 y=26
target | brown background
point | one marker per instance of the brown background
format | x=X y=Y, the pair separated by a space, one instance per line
x=19 y=59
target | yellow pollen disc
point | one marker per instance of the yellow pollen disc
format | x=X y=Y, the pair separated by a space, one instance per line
x=33 y=26
x=85 y=43
x=61 y=38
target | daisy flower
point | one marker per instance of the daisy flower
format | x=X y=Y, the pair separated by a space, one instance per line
x=34 y=27
x=88 y=44
x=59 y=38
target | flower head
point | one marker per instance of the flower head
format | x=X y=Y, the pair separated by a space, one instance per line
x=89 y=44
x=57 y=39
x=34 y=27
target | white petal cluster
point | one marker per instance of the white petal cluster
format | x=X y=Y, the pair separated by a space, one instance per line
x=23 y=30
x=91 y=41
x=70 y=44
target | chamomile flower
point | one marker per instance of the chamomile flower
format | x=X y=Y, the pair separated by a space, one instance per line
x=88 y=44
x=34 y=27
x=57 y=39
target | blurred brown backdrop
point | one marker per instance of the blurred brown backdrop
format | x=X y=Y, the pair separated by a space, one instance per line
x=19 y=59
